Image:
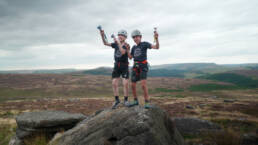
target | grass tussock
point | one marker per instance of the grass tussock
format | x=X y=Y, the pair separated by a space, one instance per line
x=212 y=87
x=226 y=137
x=6 y=133
x=6 y=114
x=41 y=138
x=242 y=126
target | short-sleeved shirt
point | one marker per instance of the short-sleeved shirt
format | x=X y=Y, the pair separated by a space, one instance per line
x=139 y=52
x=118 y=56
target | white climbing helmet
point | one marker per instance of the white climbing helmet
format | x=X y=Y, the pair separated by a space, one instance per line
x=122 y=32
x=136 y=33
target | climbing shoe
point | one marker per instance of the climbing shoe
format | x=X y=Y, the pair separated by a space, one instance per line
x=115 y=104
x=126 y=103
x=134 y=103
x=147 y=105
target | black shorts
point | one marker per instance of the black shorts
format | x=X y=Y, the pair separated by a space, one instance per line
x=120 y=69
x=139 y=72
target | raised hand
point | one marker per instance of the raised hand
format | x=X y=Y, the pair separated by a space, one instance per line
x=102 y=32
x=156 y=35
x=127 y=46
x=115 y=39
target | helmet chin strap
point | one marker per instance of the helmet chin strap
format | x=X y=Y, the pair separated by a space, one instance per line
x=138 y=42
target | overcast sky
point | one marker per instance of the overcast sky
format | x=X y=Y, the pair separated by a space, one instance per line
x=36 y=34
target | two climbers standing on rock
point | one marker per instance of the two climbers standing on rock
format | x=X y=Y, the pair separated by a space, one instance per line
x=121 y=51
x=140 y=67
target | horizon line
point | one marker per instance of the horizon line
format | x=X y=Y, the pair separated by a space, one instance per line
x=65 y=68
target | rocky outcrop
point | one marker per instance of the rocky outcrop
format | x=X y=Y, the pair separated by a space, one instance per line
x=194 y=126
x=47 y=122
x=123 y=126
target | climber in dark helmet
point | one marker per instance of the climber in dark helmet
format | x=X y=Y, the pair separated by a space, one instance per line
x=140 y=66
x=121 y=50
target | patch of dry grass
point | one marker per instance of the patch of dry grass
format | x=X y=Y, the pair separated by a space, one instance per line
x=226 y=137
x=6 y=132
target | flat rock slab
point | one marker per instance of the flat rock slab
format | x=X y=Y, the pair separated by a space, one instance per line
x=48 y=122
x=46 y=119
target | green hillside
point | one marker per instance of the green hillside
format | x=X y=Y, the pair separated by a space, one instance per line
x=166 y=73
x=152 y=73
x=187 y=66
x=239 y=80
x=181 y=70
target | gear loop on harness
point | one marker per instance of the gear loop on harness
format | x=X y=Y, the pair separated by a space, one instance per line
x=136 y=68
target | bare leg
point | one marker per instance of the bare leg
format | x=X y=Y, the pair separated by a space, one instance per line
x=134 y=90
x=126 y=87
x=115 y=82
x=145 y=89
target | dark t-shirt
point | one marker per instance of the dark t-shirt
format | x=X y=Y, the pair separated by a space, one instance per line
x=139 y=52
x=118 y=57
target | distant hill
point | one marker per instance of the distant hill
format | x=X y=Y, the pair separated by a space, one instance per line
x=188 y=70
x=237 y=79
x=250 y=73
x=182 y=70
x=186 y=66
x=205 y=66
x=152 y=73
x=192 y=70
x=98 y=71
x=40 y=71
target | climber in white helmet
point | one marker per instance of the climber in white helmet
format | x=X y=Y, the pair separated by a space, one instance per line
x=140 y=67
x=121 y=51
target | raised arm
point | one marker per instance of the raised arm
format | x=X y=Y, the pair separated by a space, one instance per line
x=120 y=46
x=103 y=39
x=156 y=37
x=128 y=51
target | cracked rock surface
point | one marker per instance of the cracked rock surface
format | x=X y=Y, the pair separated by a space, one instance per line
x=123 y=126
x=48 y=122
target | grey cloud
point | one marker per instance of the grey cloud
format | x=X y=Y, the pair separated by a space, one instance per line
x=204 y=27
